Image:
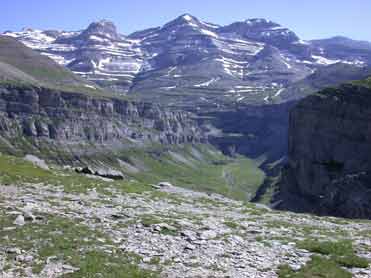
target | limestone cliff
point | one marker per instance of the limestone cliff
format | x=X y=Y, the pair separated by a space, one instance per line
x=77 y=120
x=329 y=157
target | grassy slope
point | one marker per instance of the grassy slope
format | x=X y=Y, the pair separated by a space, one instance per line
x=79 y=245
x=14 y=170
x=332 y=257
x=198 y=167
x=40 y=67
x=21 y=66
x=366 y=82
x=73 y=243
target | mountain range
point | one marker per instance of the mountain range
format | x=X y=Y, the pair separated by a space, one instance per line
x=137 y=155
x=240 y=81
x=188 y=61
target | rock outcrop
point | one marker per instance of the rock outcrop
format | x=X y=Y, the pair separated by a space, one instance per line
x=329 y=162
x=77 y=120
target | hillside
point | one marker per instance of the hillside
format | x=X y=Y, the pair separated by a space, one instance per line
x=36 y=66
x=331 y=76
x=55 y=222
x=21 y=64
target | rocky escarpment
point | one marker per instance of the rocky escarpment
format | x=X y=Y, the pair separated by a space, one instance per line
x=329 y=163
x=76 y=120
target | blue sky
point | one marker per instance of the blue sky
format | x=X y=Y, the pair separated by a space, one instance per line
x=308 y=18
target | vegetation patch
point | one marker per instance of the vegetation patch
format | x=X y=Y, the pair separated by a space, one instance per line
x=168 y=232
x=231 y=224
x=149 y=220
x=14 y=170
x=99 y=264
x=317 y=267
x=73 y=243
x=197 y=167
x=337 y=248
x=340 y=252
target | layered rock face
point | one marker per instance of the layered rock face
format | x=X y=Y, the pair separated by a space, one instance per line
x=329 y=162
x=73 y=119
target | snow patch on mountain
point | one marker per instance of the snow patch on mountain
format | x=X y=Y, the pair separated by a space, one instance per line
x=324 y=61
x=285 y=61
x=209 y=33
x=207 y=83
x=210 y=25
x=90 y=87
x=279 y=92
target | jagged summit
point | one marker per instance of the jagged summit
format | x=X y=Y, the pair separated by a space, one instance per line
x=263 y=30
x=103 y=28
x=188 y=17
x=101 y=24
x=258 y=25
x=260 y=21
x=104 y=22
x=188 y=20
x=102 y=32
x=27 y=29
x=184 y=20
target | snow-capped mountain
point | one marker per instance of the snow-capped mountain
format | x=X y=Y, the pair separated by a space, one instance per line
x=262 y=30
x=98 y=53
x=188 y=59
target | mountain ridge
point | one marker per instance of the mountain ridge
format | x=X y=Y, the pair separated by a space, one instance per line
x=249 y=61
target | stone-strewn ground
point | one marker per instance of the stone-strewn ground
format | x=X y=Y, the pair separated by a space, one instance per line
x=168 y=231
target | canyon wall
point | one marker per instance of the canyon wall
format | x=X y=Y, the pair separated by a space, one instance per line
x=329 y=154
x=77 y=120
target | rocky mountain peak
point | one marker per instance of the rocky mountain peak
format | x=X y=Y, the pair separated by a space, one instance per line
x=260 y=22
x=262 y=30
x=27 y=29
x=102 y=28
x=188 y=17
x=259 y=25
x=184 y=20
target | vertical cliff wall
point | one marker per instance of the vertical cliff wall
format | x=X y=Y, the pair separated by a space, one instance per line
x=329 y=156
x=84 y=122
